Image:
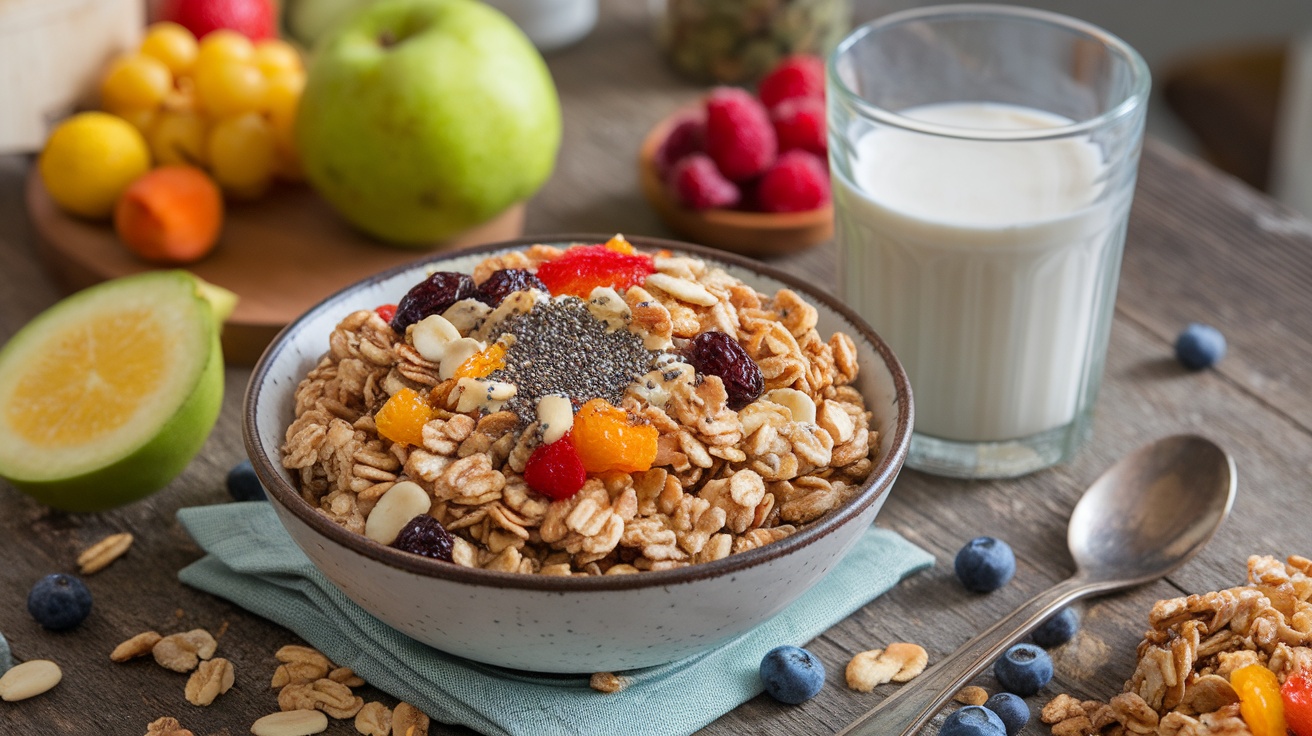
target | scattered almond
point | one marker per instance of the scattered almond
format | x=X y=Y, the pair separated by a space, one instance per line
x=29 y=679
x=138 y=646
x=291 y=723
x=99 y=555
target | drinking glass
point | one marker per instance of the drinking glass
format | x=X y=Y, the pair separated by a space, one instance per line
x=984 y=159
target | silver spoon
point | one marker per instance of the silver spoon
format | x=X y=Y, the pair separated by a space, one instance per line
x=1143 y=517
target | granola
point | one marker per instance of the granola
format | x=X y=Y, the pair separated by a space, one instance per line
x=671 y=461
x=1181 y=683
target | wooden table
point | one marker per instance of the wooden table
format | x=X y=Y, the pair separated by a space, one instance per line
x=1201 y=248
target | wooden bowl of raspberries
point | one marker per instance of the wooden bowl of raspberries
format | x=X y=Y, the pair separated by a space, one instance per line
x=742 y=172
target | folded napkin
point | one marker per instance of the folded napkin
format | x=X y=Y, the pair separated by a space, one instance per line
x=253 y=562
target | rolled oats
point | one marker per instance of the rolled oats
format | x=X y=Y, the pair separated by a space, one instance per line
x=99 y=555
x=166 y=726
x=29 y=679
x=183 y=652
x=408 y=720
x=899 y=662
x=211 y=679
x=972 y=695
x=723 y=481
x=1180 y=685
x=138 y=646
x=607 y=682
x=374 y=719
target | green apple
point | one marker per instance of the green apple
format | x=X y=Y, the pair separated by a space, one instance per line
x=307 y=20
x=422 y=118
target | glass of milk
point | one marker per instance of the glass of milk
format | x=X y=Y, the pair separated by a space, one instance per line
x=983 y=161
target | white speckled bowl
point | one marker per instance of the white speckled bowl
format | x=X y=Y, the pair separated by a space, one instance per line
x=576 y=624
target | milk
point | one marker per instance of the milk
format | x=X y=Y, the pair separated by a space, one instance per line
x=982 y=263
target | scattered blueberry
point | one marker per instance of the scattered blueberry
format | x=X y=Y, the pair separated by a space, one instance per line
x=244 y=485
x=1058 y=629
x=6 y=661
x=59 y=602
x=973 y=720
x=791 y=674
x=1013 y=711
x=424 y=535
x=1023 y=670
x=985 y=564
x=1199 y=346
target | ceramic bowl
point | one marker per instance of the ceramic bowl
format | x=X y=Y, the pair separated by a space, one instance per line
x=574 y=624
x=749 y=233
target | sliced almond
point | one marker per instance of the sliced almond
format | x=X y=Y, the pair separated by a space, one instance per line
x=555 y=417
x=431 y=335
x=291 y=723
x=402 y=502
x=29 y=679
x=684 y=290
x=801 y=406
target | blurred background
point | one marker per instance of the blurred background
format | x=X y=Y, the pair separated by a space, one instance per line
x=1232 y=80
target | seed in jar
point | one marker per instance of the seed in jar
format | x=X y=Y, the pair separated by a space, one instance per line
x=561 y=348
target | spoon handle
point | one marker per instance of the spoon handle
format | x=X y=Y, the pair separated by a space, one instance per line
x=906 y=711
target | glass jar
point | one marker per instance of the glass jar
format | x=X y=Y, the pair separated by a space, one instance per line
x=738 y=41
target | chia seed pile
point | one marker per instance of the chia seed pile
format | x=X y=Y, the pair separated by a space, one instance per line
x=560 y=348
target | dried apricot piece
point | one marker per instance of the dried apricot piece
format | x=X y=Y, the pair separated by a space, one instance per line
x=1259 y=700
x=620 y=245
x=583 y=268
x=403 y=417
x=483 y=363
x=606 y=440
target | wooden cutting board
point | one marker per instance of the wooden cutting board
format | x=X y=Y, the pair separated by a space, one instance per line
x=281 y=255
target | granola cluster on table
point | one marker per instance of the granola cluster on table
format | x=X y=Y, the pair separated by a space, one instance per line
x=583 y=410
x=1205 y=657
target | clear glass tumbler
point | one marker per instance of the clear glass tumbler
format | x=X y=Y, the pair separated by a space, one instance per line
x=984 y=159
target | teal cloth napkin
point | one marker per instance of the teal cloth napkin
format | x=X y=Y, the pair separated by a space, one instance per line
x=253 y=562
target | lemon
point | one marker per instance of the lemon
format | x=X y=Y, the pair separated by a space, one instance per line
x=107 y=395
x=90 y=159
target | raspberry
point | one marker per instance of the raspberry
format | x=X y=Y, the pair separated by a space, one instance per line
x=505 y=282
x=797 y=182
x=424 y=535
x=687 y=136
x=800 y=123
x=555 y=470
x=584 y=268
x=696 y=183
x=739 y=136
x=796 y=76
x=1297 y=696
x=718 y=354
x=432 y=296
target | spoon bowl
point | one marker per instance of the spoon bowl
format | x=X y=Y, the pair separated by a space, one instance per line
x=1144 y=517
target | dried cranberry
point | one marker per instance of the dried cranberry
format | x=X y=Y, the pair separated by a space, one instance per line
x=432 y=296
x=505 y=282
x=424 y=535
x=555 y=470
x=386 y=311
x=718 y=354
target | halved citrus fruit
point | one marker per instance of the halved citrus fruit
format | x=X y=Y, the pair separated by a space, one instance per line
x=107 y=395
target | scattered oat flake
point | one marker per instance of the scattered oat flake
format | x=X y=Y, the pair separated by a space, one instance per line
x=99 y=555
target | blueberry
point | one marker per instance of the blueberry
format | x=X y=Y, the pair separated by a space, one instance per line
x=1013 y=711
x=1023 y=670
x=6 y=661
x=973 y=720
x=59 y=602
x=791 y=674
x=244 y=485
x=1199 y=346
x=1058 y=629
x=985 y=564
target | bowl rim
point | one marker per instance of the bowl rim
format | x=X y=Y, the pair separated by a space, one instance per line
x=284 y=494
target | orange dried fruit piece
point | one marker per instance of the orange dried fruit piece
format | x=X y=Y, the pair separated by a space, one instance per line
x=483 y=363
x=1259 y=700
x=403 y=417
x=619 y=245
x=606 y=440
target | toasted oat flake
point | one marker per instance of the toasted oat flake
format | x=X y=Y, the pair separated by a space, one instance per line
x=99 y=555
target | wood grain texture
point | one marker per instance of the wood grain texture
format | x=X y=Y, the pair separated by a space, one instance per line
x=1201 y=247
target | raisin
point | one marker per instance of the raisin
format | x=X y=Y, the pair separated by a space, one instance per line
x=718 y=354
x=505 y=282
x=432 y=296
x=424 y=535
x=555 y=470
